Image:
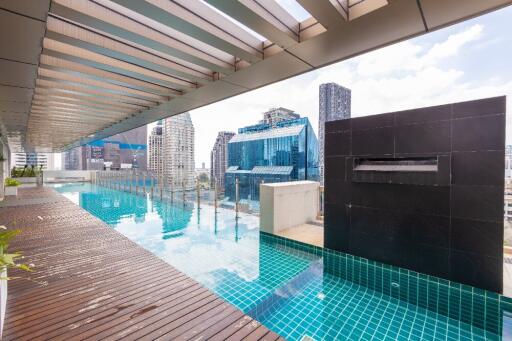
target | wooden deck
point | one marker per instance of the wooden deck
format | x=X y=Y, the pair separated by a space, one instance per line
x=101 y=286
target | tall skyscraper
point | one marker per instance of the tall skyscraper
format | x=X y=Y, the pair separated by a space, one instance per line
x=155 y=149
x=276 y=115
x=285 y=151
x=73 y=159
x=178 y=151
x=335 y=104
x=44 y=160
x=219 y=159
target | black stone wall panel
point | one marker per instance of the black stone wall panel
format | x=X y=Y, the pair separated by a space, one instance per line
x=448 y=223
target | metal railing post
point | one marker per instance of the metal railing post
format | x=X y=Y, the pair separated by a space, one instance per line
x=183 y=191
x=136 y=183
x=237 y=197
x=131 y=180
x=172 y=191
x=152 y=184
x=144 y=182
x=215 y=195
x=161 y=186
x=198 y=189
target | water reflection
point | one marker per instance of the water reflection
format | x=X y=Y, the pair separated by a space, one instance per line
x=214 y=248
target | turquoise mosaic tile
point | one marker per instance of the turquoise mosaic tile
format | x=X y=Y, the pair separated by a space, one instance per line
x=449 y=310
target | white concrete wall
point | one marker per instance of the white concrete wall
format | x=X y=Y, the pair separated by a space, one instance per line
x=4 y=166
x=288 y=204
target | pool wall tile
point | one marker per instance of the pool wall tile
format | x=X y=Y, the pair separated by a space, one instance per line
x=474 y=306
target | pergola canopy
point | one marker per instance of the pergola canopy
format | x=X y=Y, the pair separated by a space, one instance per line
x=74 y=71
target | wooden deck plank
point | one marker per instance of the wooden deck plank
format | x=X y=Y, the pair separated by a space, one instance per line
x=111 y=305
x=100 y=285
x=232 y=328
x=207 y=328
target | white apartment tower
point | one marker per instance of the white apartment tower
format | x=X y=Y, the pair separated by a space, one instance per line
x=334 y=104
x=44 y=160
x=155 y=148
x=178 y=151
x=219 y=159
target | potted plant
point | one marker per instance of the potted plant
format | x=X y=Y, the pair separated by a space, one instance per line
x=7 y=260
x=11 y=186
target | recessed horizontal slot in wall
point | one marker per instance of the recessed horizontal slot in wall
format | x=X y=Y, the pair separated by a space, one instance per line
x=410 y=164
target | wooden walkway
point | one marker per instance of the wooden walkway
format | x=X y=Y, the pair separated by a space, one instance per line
x=101 y=286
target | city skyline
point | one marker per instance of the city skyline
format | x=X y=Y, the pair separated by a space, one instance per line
x=438 y=68
x=442 y=67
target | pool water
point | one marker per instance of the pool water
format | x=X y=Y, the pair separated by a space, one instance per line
x=298 y=291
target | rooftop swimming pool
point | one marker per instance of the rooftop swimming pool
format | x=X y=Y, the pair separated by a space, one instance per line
x=294 y=289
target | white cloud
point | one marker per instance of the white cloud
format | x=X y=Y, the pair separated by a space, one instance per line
x=405 y=75
x=452 y=45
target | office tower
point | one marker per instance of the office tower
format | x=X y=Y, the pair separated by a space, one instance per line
x=126 y=150
x=73 y=159
x=178 y=151
x=219 y=159
x=276 y=115
x=44 y=160
x=286 y=151
x=334 y=104
x=155 y=147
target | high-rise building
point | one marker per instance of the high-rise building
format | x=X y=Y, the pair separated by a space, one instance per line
x=219 y=159
x=44 y=160
x=178 y=151
x=335 y=104
x=121 y=151
x=286 y=151
x=155 y=147
x=276 y=115
x=73 y=159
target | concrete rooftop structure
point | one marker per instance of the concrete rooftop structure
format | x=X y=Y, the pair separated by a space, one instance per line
x=74 y=71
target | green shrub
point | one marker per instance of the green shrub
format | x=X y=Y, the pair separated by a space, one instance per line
x=27 y=171
x=10 y=260
x=10 y=182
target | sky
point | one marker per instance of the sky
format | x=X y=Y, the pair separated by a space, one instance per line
x=466 y=61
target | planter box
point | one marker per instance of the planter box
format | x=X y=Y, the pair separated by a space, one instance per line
x=11 y=190
x=3 y=299
x=27 y=180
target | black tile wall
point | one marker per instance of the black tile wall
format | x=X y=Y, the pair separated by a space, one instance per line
x=478 y=133
x=426 y=138
x=448 y=223
x=487 y=168
x=377 y=141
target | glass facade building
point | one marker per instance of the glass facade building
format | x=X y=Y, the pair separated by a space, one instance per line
x=284 y=151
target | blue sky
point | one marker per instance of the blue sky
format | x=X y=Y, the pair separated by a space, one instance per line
x=466 y=61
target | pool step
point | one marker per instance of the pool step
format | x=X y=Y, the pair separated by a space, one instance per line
x=287 y=291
